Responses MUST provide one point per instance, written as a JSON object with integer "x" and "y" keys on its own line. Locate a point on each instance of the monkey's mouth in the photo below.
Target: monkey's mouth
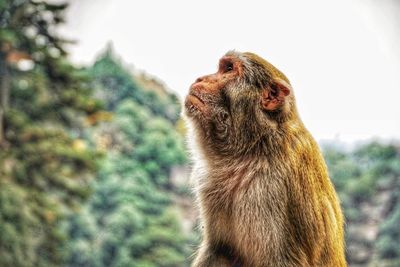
{"x": 194, "y": 98}
{"x": 194, "y": 103}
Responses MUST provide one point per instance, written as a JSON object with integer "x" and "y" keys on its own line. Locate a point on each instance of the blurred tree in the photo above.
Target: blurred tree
{"x": 388, "y": 243}
{"x": 384, "y": 162}
{"x": 110, "y": 73}
{"x": 368, "y": 182}
{"x": 44, "y": 162}
{"x": 132, "y": 219}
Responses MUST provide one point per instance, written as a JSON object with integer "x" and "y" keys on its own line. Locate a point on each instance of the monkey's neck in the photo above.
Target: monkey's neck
{"x": 267, "y": 144}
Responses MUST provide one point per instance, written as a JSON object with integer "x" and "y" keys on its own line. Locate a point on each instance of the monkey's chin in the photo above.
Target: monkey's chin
{"x": 194, "y": 106}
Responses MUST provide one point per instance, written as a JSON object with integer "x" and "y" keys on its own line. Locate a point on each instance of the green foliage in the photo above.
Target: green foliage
{"x": 363, "y": 177}
{"x": 43, "y": 173}
{"x": 115, "y": 83}
{"x": 132, "y": 221}
{"x": 388, "y": 244}
{"x": 47, "y": 154}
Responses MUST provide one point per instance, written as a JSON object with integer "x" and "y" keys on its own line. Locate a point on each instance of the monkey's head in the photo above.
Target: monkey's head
{"x": 246, "y": 102}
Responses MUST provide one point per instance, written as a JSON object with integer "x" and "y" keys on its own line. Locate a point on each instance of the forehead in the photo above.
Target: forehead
{"x": 237, "y": 58}
{"x": 229, "y": 58}
{"x": 234, "y": 55}
{"x": 251, "y": 61}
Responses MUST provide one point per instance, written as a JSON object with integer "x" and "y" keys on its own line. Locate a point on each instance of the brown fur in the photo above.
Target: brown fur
{"x": 264, "y": 193}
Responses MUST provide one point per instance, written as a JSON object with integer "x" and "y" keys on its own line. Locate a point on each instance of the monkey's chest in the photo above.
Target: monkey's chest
{"x": 245, "y": 211}
{"x": 221, "y": 197}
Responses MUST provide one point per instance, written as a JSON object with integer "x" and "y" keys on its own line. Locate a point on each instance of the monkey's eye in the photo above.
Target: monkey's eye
{"x": 228, "y": 66}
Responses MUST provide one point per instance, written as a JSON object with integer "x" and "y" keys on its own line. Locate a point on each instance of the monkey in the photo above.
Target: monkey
{"x": 262, "y": 186}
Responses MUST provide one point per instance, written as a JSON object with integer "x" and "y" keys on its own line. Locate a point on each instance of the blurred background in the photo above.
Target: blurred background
{"x": 93, "y": 165}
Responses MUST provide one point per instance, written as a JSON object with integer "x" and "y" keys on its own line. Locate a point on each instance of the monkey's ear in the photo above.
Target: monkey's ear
{"x": 273, "y": 97}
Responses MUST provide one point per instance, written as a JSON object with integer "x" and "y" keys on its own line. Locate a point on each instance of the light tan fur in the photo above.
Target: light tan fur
{"x": 263, "y": 189}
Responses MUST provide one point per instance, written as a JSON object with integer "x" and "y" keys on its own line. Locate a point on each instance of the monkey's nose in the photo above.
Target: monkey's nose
{"x": 200, "y": 79}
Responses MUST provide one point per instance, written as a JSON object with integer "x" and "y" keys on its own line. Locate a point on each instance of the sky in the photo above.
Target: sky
{"x": 342, "y": 57}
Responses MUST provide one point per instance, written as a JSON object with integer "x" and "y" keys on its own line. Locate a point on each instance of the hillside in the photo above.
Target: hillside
{"x": 130, "y": 218}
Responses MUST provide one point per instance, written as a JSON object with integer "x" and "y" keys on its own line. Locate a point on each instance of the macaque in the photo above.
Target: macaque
{"x": 263, "y": 189}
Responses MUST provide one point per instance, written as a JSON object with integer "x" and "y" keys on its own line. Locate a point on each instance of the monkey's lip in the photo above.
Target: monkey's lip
{"x": 194, "y": 99}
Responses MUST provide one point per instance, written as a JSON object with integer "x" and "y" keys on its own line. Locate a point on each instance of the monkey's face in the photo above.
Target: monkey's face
{"x": 208, "y": 102}
{"x": 207, "y": 95}
{"x": 235, "y": 104}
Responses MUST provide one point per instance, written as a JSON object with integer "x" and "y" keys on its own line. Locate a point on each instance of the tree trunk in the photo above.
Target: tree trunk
{"x": 4, "y": 93}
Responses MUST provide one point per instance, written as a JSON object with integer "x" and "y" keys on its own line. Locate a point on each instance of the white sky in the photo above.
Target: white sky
{"x": 342, "y": 57}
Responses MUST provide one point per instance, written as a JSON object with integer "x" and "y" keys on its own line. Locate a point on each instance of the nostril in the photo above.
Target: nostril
{"x": 200, "y": 79}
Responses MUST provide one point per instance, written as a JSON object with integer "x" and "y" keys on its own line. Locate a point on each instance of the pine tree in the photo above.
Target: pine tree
{"x": 44, "y": 162}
